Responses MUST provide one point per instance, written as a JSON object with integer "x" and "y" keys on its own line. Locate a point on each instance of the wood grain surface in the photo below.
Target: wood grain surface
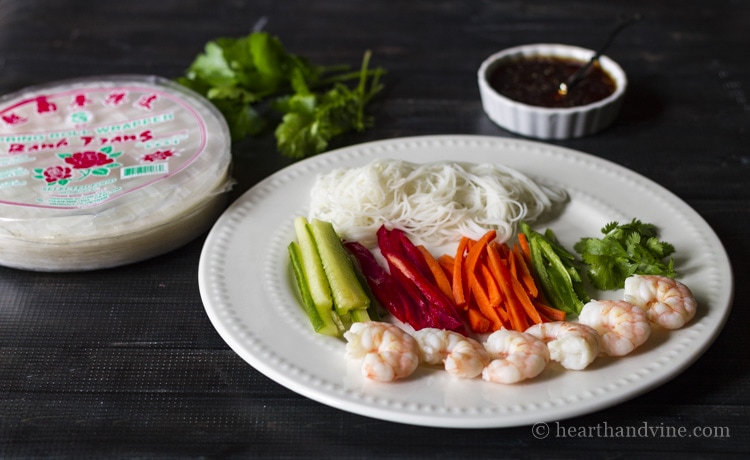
{"x": 124, "y": 363}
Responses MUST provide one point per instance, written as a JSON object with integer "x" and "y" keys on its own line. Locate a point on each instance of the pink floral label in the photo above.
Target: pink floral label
{"x": 77, "y": 148}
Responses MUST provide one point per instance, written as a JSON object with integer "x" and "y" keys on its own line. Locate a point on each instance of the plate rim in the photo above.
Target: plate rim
{"x": 320, "y": 391}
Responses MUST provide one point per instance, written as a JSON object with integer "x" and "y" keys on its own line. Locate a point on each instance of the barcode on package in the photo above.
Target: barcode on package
{"x": 144, "y": 170}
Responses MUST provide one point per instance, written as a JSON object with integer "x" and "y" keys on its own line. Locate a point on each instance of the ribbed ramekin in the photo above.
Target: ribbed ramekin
{"x": 550, "y": 123}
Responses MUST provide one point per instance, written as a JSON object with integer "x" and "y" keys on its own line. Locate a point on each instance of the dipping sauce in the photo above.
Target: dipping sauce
{"x": 536, "y": 81}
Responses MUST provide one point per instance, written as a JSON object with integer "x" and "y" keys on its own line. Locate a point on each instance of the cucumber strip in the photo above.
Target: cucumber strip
{"x": 320, "y": 289}
{"x": 359, "y": 315}
{"x": 322, "y": 321}
{"x": 343, "y": 322}
{"x": 347, "y": 291}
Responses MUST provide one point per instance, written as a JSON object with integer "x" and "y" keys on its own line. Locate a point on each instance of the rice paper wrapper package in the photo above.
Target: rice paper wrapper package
{"x": 107, "y": 171}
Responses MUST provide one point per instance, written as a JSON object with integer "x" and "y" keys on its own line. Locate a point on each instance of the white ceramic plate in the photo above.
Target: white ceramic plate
{"x": 248, "y": 292}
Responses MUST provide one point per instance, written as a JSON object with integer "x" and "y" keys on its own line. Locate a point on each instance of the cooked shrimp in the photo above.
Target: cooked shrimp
{"x": 515, "y": 355}
{"x": 462, "y": 356}
{"x": 622, "y": 326}
{"x": 667, "y": 302}
{"x": 574, "y": 345}
{"x": 387, "y": 351}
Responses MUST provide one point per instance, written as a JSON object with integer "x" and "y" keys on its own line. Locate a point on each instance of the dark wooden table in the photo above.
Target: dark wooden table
{"x": 125, "y": 363}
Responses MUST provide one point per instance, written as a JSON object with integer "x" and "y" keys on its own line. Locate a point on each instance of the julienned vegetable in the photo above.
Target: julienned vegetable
{"x": 408, "y": 266}
{"x": 498, "y": 288}
{"x": 348, "y": 294}
{"x": 485, "y": 286}
{"x": 405, "y": 288}
{"x": 245, "y": 76}
{"x": 329, "y": 287}
{"x": 625, "y": 250}
{"x": 321, "y": 316}
{"x": 558, "y": 271}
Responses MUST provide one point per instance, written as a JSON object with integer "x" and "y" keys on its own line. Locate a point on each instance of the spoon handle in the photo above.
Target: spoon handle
{"x": 564, "y": 87}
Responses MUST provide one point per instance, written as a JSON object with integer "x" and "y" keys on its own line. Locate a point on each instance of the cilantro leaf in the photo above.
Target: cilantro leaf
{"x": 310, "y": 120}
{"x": 239, "y": 74}
{"x": 625, "y": 250}
{"x": 211, "y": 67}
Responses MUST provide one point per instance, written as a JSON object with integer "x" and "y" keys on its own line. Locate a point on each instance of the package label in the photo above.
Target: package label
{"x": 80, "y": 147}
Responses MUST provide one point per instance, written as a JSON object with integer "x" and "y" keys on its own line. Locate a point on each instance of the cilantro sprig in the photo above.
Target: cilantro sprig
{"x": 244, "y": 77}
{"x": 311, "y": 120}
{"x": 625, "y": 250}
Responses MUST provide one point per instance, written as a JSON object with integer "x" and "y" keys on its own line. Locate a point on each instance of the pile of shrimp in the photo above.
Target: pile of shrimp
{"x": 605, "y": 327}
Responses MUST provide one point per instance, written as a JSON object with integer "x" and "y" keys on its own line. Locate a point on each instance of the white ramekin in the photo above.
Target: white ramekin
{"x": 550, "y": 123}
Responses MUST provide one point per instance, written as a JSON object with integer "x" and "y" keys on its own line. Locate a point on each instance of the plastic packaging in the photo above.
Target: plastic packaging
{"x": 101, "y": 172}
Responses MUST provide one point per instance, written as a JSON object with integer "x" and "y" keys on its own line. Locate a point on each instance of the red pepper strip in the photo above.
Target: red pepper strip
{"x": 442, "y": 306}
{"x": 418, "y": 312}
{"x": 413, "y": 253}
{"x": 383, "y": 286}
{"x": 382, "y": 235}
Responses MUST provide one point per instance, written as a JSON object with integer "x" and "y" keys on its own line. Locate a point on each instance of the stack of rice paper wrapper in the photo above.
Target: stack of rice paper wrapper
{"x": 102, "y": 172}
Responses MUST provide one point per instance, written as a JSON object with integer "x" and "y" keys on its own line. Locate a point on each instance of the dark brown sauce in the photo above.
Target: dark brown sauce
{"x": 536, "y": 80}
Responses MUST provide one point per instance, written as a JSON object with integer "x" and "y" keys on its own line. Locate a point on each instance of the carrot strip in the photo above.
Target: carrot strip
{"x": 493, "y": 290}
{"x": 523, "y": 242}
{"x": 478, "y": 249}
{"x": 516, "y": 311}
{"x": 495, "y": 262}
{"x": 469, "y": 272}
{"x": 504, "y": 318}
{"x": 459, "y": 280}
{"x": 516, "y": 315}
{"x": 477, "y": 289}
{"x": 437, "y": 272}
{"x": 525, "y": 301}
{"x": 483, "y": 302}
{"x": 447, "y": 262}
{"x": 518, "y": 319}
{"x": 512, "y": 265}
{"x": 477, "y": 321}
{"x": 501, "y": 248}
{"x": 552, "y": 313}
{"x": 525, "y": 273}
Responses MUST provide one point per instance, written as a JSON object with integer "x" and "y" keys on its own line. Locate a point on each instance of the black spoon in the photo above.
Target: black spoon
{"x": 566, "y": 85}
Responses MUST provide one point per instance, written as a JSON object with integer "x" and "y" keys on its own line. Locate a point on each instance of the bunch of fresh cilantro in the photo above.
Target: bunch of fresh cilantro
{"x": 248, "y": 77}
{"x": 625, "y": 250}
